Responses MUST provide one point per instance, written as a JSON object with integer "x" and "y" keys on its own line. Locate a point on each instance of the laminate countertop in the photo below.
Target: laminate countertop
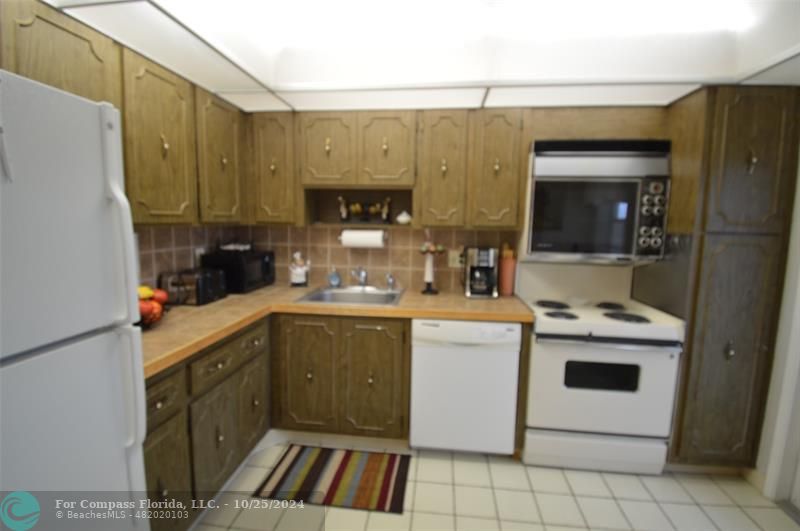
{"x": 186, "y": 330}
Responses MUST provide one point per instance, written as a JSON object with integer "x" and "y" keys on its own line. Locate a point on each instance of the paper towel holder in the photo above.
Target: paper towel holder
{"x": 385, "y": 234}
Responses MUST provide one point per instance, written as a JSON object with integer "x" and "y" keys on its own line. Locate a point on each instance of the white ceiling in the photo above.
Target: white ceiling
{"x": 355, "y": 54}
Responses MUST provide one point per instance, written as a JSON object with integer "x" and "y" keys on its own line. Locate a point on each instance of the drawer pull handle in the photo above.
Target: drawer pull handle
{"x": 729, "y": 351}
{"x": 159, "y": 404}
{"x": 218, "y": 367}
{"x": 377, "y": 328}
{"x": 220, "y": 438}
{"x": 751, "y": 166}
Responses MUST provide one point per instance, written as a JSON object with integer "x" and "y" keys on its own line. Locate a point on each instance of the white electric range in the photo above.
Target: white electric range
{"x": 602, "y": 384}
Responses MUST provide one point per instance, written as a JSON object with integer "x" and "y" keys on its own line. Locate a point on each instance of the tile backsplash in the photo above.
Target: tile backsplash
{"x": 170, "y": 248}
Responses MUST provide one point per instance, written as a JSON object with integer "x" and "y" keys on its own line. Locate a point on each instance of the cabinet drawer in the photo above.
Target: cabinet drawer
{"x": 225, "y": 359}
{"x": 164, "y": 398}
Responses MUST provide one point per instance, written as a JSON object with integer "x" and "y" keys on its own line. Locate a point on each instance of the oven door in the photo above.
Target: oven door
{"x": 591, "y": 217}
{"x": 626, "y": 389}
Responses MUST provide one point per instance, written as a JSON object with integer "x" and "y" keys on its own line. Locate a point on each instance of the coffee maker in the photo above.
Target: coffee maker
{"x": 480, "y": 272}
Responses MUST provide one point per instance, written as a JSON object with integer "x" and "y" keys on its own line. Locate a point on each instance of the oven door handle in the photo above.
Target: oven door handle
{"x": 632, "y": 347}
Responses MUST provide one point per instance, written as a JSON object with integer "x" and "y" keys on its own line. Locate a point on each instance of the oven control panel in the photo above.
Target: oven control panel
{"x": 652, "y": 226}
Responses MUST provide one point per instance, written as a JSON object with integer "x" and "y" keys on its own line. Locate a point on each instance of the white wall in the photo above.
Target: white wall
{"x": 780, "y": 438}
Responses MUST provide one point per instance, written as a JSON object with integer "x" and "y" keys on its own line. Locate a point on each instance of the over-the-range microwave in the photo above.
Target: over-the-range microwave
{"x": 602, "y": 201}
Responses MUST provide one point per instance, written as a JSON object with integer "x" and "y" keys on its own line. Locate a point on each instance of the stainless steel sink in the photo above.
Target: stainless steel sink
{"x": 354, "y": 295}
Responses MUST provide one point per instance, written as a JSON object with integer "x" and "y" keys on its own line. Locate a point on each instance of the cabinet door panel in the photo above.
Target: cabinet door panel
{"x": 42, "y": 44}
{"x": 168, "y": 470}
{"x": 160, "y": 152}
{"x": 494, "y": 177}
{"x": 386, "y": 148}
{"x": 218, "y": 138}
{"x": 214, "y": 436}
{"x": 732, "y": 344}
{"x": 371, "y": 379}
{"x": 327, "y": 148}
{"x": 752, "y": 159}
{"x": 253, "y": 403}
{"x": 274, "y": 171}
{"x": 308, "y": 353}
{"x": 443, "y": 168}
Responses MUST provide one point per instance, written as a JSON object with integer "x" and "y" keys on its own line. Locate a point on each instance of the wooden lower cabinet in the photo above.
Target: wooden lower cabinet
{"x": 372, "y": 396}
{"x": 341, "y": 375}
{"x": 215, "y": 441}
{"x": 306, "y": 357}
{"x": 737, "y": 308}
{"x": 253, "y": 403}
{"x": 168, "y": 469}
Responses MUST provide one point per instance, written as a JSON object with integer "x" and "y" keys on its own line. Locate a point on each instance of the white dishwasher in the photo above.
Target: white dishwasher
{"x": 464, "y": 385}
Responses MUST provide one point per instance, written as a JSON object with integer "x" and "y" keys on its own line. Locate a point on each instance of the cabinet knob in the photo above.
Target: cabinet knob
{"x": 328, "y": 146}
{"x": 309, "y": 376}
{"x": 159, "y": 404}
{"x": 385, "y": 145}
{"x": 220, "y": 365}
{"x": 496, "y": 166}
{"x": 220, "y": 438}
{"x": 164, "y": 146}
{"x": 224, "y": 160}
{"x": 729, "y": 351}
{"x": 164, "y": 493}
{"x": 444, "y": 166}
{"x": 273, "y": 166}
{"x": 752, "y": 163}
{"x": 370, "y": 380}
{"x": 256, "y": 403}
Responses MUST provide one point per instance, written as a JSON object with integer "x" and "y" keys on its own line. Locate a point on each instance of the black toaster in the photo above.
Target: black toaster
{"x": 194, "y": 286}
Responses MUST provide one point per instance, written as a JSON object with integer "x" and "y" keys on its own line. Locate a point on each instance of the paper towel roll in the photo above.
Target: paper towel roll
{"x": 364, "y": 239}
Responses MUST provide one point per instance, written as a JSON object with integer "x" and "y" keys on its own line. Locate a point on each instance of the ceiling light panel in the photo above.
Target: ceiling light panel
{"x": 587, "y": 95}
{"x": 255, "y": 101}
{"x": 145, "y": 29}
{"x": 385, "y": 99}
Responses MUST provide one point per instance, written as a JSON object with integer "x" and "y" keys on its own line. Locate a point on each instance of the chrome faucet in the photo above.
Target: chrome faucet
{"x": 360, "y": 274}
{"x": 390, "y": 281}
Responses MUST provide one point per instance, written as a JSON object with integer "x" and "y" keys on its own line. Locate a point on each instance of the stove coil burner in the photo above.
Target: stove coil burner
{"x": 553, "y": 305}
{"x": 562, "y": 315}
{"x": 627, "y": 317}
{"x": 615, "y": 306}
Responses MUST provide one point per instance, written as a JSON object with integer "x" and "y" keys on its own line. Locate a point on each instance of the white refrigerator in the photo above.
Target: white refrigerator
{"x": 72, "y": 405}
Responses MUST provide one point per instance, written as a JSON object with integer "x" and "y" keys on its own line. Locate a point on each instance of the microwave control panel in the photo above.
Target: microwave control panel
{"x": 651, "y": 230}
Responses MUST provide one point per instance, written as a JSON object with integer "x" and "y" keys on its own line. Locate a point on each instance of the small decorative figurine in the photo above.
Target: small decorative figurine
{"x": 298, "y": 270}
{"x": 334, "y": 279}
{"x": 344, "y": 213}
{"x": 403, "y": 218}
{"x": 356, "y": 209}
{"x": 386, "y": 211}
{"x": 429, "y": 249}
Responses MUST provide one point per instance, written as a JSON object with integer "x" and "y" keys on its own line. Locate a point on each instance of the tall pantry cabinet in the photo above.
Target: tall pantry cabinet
{"x": 735, "y": 153}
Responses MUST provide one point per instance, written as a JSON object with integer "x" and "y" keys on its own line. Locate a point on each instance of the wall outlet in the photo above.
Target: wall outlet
{"x": 455, "y": 258}
{"x": 198, "y": 252}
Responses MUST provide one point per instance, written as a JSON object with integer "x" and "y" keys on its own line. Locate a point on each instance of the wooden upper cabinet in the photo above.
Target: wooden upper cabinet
{"x": 443, "y": 168}
{"x": 733, "y": 340}
{"x": 273, "y": 172}
{"x": 307, "y": 360}
{"x": 160, "y": 154}
{"x": 371, "y": 378}
{"x": 493, "y": 182}
{"x": 42, "y": 44}
{"x": 753, "y": 157}
{"x": 386, "y": 148}
{"x": 327, "y": 144}
{"x": 218, "y": 140}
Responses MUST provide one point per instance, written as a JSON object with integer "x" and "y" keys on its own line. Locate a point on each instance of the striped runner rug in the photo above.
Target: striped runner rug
{"x": 373, "y": 481}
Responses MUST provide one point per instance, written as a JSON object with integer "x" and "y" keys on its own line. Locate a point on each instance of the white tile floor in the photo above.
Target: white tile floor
{"x": 454, "y": 491}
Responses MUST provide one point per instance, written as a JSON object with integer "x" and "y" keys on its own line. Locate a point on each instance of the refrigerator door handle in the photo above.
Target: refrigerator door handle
{"x": 133, "y": 380}
{"x": 112, "y": 162}
{"x": 5, "y": 165}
